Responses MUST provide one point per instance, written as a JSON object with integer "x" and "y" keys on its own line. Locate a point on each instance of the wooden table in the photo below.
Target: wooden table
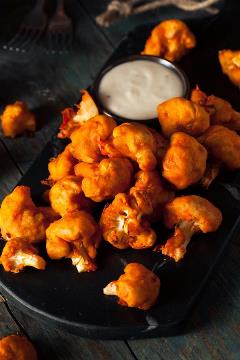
{"x": 48, "y": 84}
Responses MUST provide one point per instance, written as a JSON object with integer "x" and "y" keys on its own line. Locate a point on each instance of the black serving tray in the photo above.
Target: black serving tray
{"x": 75, "y": 301}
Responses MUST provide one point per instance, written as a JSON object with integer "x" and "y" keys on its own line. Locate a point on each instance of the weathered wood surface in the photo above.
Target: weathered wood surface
{"x": 49, "y": 84}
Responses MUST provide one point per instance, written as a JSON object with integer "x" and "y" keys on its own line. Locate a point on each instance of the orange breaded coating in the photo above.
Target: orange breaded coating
{"x": 134, "y": 141}
{"x": 17, "y": 119}
{"x": 223, "y": 146}
{"x": 19, "y": 253}
{"x": 162, "y": 145}
{"x": 149, "y": 194}
{"x": 16, "y": 347}
{"x": 86, "y": 139}
{"x": 220, "y": 110}
{"x": 67, "y": 195}
{"x": 105, "y": 180}
{"x": 189, "y": 215}
{"x": 122, "y": 225}
{"x": 185, "y": 161}
{"x": 61, "y": 166}
{"x": 76, "y": 236}
{"x": 137, "y": 287}
{"x": 19, "y": 217}
{"x": 230, "y": 63}
{"x": 171, "y": 39}
{"x": 87, "y": 109}
{"x": 179, "y": 114}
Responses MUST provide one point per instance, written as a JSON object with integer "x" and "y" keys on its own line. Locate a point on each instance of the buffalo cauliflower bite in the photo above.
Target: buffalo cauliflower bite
{"x": 16, "y": 347}
{"x": 75, "y": 236}
{"x": 230, "y": 63}
{"x": 17, "y": 119}
{"x": 61, "y": 166}
{"x": 185, "y": 161}
{"x": 134, "y": 141}
{"x": 19, "y": 217}
{"x": 220, "y": 110}
{"x": 137, "y": 287}
{"x": 87, "y": 109}
{"x": 86, "y": 139}
{"x": 67, "y": 195}
{"x": 19, "y": 253}
{"x": 105, "y": 180}
{"x": 149, "y": 194}
{"x": 122, "y": 225}
{"x": 189, "y": 215}
{"x": 171, "y": 39}
{"x": 223, "y": 146}
{"x": 179, "y": 114}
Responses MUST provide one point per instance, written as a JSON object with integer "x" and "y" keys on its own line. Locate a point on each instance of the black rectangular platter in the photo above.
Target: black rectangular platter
{"x": 75, "y": 301}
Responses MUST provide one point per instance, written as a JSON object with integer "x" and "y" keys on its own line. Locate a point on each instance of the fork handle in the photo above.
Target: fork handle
{"x": 60, "y": 8}
{"x": 39, "y": 4}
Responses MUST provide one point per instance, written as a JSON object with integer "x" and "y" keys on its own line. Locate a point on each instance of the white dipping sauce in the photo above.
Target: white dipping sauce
{"x": 133, "y": 89}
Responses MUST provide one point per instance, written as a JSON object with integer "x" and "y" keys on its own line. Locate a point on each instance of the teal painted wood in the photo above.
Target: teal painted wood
{"x": 54, "y": 344}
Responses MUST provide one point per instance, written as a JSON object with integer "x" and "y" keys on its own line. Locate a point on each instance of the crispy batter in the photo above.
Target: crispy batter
{"x": 61, "y": 166}
{"x": 87, "y": 109}
{"x": 171, "y": 39}
{"x": 19, "y": 253}
{"x": 123, "y": 226}
{"x": 17, "y": 119}
{"x": 185, "y": 161}
{"x": 223, "y": 146}
{"x": 230, "y": 63}
{"x": 105, "y": 180}
{"x": 16, "y": 347}
{"x": 137, "y": 287}
{"x": 134, "y": 141}
{"x": 220, "y": 110}
{"x": 75, "y": 236}
{"x": 190, "y": 214}
{"x": 86, "y": 139}
{"x": 66, "y": 195}
{"x": 19, "y": 217}
{"x": 179, "y": 114}
{"x": 149, "y": 194}
{"x": 162, "y": 145}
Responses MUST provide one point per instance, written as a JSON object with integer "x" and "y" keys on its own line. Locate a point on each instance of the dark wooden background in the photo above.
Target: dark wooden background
{"x": 50, "y": 83}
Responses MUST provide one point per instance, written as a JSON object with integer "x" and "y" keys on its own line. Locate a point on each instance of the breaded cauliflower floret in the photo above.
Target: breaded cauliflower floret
{"x": 137, "y": 287}
{"x": 189, "y": 215}
{"x": 221, "y": 111}
{"x": 230, "y": 63}
{"x": 19, "y": 253}
{"x": 149, "y": 194}
{"x": 185, "y": 161}
{"x": 87, "y": 109}
{"x": 179, "y": 114}
{"x": 135, "y": 141}
{"x": 61, "y": 166}
{"x": 223, "y": 146}
{"x": 19, "y": 217}
{"x": 122, "y": 225}
{"x": 171, "y": 39}
{"x": 105, "y": 180}
{"x": 16, "y": 347}
{"x": 76, "y": 236}
{"x": 17, "y": 119}
{"x": 86, "y": 139}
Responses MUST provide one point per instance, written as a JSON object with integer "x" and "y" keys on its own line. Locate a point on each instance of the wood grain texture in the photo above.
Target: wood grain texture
{"x": 55, "y": 344}
{"x": 212, "y": 330}
{"x": 8, "y": 325}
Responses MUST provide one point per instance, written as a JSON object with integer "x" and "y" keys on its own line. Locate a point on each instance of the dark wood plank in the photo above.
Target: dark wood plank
{"x": 212, "y": 330}
{"x": 55, "y": 344}
{"x": 49, "y": 83}
{"x": 8, "y": 325}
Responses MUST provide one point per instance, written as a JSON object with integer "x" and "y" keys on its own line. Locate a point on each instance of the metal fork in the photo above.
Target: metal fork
{"x": 59, "y": 31}
{"x": 30, "y": 30}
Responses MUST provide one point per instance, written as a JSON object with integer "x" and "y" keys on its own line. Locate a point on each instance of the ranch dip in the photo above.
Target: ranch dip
{"x": 133, "y": 89}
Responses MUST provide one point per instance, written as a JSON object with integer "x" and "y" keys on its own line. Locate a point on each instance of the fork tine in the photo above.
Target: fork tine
{"x": 68, "y": 41}
{"x": 30, "y": 40}
{"x": 17, "y": 37}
